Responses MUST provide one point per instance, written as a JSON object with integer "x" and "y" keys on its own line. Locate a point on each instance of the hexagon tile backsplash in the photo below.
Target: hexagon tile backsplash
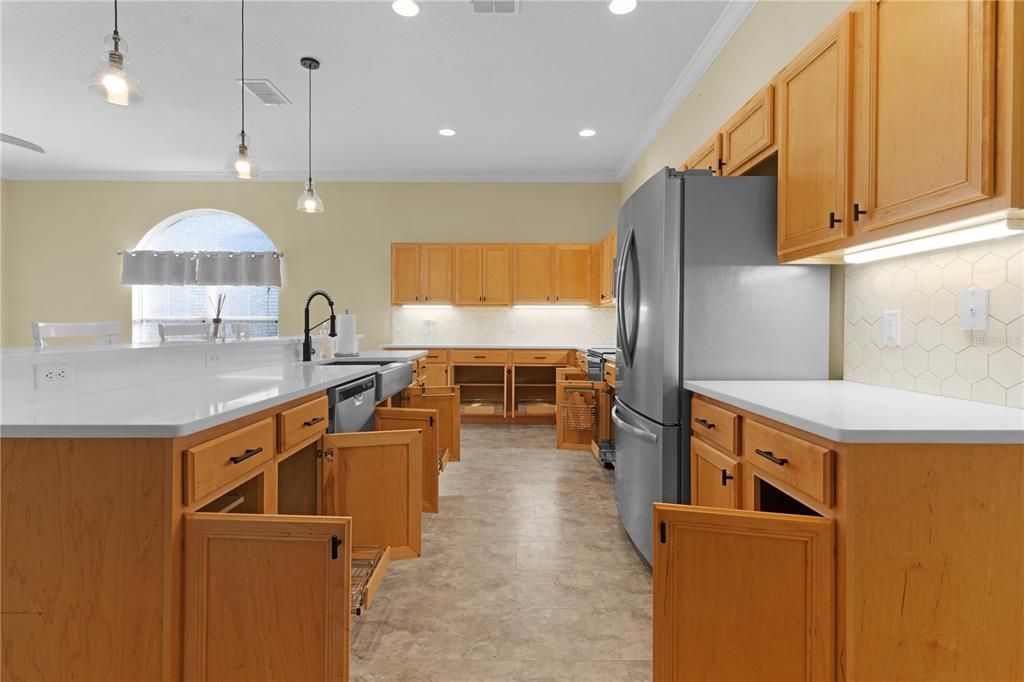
{"x": 935, "y": 355}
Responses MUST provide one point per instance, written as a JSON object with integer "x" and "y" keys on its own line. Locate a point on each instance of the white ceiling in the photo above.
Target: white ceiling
{"x": 517, "y": 89}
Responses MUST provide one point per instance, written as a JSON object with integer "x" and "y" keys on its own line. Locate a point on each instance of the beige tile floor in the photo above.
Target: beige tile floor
{"x": 526, "y": 574}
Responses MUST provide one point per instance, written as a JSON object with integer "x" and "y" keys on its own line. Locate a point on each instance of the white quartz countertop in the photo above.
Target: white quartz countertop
{"x": 381, "y": 355}
{"x": 849, "y": 412}
{"x": 497, "y": 346}
{"x": 173, "y": 408}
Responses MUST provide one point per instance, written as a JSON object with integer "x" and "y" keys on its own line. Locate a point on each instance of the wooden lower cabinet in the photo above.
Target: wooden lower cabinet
{"x": 376, "y": 478}
{"x": 741, "y": 595}
{"x": 266, "y": 597}
{"x": 436, "y": 374}
{"x": 714, "y": 477}
{"x": 426, "y": 421}
{"x": 445, "y": 401}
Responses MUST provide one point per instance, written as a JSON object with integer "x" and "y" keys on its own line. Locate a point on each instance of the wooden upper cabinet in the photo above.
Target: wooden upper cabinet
{"x": 742, "y": 595}
{"x": 405, "y": 273}
{"x": 749, "y": 133}
{"x": 469, "y": 274}
{"x": 925, "y": 113}
{"x": 497, "y": 277}
{"x": 438, "y": 273}
{"x": 573, "y": 269}
{"x": 375, "y": 477}
{"x": 714, "y": 477}
{"x": 708, "y": 155}
{"x": 606, "y": 276}
{"x": 532, "y": 273}
{"x": 266, "y": 597}
{"x": 814, "y": 139}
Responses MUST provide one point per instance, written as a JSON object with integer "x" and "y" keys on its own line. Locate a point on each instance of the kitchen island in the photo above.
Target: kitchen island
{"x": 199, "y": 528}
{"x": 843, "y": 531}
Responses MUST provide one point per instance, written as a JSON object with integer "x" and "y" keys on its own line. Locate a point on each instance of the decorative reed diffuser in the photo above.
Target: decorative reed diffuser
{"x": 218, "y": 308}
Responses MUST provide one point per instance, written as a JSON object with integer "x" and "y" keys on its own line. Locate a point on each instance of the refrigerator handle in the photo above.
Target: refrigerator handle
{"x": 642, "y": 434}
{"x": 627, "y": 342}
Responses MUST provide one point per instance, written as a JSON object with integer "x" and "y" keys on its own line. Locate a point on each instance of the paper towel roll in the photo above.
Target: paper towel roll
{"x": 348, "y": 340}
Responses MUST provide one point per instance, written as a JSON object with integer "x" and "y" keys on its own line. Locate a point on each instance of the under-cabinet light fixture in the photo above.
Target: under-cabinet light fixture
{"x": 427, "y": 306}
{"x": 1006, "y": 227}
{"x": 526, "y": 306}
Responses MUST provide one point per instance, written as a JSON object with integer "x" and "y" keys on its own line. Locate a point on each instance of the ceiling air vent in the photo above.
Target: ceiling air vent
{"x": 265, "y": 91}
{"x": 495, "y": 6}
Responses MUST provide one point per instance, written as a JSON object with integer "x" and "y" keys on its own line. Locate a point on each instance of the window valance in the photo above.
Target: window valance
{"x": 238, "y": 268}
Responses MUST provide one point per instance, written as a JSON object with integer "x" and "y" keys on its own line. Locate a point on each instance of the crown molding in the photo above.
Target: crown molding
{"x": 731, "y": 18}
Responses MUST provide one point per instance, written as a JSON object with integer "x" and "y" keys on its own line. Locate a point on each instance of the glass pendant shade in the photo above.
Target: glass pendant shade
{"x": 310, "y": 201}
{"x": 111, "y": 80}
{"x": 241, "y": 163}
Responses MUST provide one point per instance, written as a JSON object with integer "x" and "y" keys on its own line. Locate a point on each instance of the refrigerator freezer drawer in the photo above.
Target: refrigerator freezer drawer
{"x": 647, "y": 470}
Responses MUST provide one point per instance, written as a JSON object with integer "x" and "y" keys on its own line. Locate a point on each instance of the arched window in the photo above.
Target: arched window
{"x": 203, "y": 230}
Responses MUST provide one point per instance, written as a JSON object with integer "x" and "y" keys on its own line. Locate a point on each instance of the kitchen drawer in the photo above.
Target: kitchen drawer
{"x": 369, "y": 564}
{"x": 540, "y": 357}
{"x": 479, "y": 357}
{"x": 802, "y": 464}
{"x": 218, "y": 462}
{"x": 437, "y": 357}
{"x": 301, "y": 423}
{"x": 715, "y": 425}
{"x": 609, "y": 374}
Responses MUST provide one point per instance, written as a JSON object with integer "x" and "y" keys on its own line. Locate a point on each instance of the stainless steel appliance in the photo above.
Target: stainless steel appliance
{"x": 351, "y": 406}
{"x": 392, "y": 376}
{"x": 700, "y": 296}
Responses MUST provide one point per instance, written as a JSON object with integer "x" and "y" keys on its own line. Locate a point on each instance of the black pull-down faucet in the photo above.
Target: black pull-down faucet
{"x": 307, "y": 342}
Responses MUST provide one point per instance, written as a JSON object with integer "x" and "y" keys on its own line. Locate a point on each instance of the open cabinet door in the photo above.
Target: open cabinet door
{"x": 266, "y": 597}
{"x": 444, "y": 399}
{"x": 404, "y": 418}
{"x": 376, "y": 478}
{"x": 742, "y": 595}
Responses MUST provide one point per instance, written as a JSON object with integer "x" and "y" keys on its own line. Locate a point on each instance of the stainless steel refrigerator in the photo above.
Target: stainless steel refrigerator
{"x": 700, "y": 295}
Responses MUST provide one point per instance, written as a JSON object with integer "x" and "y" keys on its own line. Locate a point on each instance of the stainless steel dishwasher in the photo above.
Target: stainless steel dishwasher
{"x": 352, "y": 406}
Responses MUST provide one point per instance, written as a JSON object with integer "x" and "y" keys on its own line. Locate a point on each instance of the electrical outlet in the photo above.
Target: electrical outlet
{"x": 54, "y": 376}
{"x": 891, "y": 327}
{"x": 589, "y": 327}
{"x": 214, "y": 358}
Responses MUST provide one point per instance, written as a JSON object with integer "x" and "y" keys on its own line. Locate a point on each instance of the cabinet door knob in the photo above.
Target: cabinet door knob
{"x": 726, "y": 477}
{"x": 858, "y": 212}
{"x": 833, "y": 220}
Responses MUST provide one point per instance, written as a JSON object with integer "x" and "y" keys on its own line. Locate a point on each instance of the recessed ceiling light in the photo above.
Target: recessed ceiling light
{"x": 588, "y": 132}
{"x": 621, "y": 6}
{"x": 446, "y": 132}
{"x": 408, "y": 8}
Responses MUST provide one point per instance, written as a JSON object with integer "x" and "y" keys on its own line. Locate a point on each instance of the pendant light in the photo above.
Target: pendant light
{"x": 111, "y": 80}
{"x": 310, "y": 201}
{"x": 241, "y": 164}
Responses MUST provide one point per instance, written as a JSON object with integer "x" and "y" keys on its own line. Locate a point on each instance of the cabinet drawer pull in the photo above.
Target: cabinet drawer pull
{"x": 314, "y": 420}
{"x": 479, "y": 357}
{"x": 726, "y": 476}
{"x": 251, "y": 452}
{"x": 770, "y": 456}
{"x": 540, "y": 357}
{"x": 705, "y": 423}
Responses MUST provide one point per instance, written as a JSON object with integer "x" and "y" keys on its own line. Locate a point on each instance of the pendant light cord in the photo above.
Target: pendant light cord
{"x": 117, "y": 36}
{"x": 242, "y": 88}
{"x": 310, "y": 126}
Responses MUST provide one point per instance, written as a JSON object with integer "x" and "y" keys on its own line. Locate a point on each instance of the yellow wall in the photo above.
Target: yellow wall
{"x": 771, "y": 35}
{"x": 59, "y": 239}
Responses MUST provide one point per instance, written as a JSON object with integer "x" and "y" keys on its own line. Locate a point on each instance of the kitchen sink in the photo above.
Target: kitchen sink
{"x": 392, "y": 375}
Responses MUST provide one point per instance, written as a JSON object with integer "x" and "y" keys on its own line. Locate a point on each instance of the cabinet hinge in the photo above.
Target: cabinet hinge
{"x": 326, "y": 453}
{"x": 335, "y": 544}
{"x": 661, "y": 532}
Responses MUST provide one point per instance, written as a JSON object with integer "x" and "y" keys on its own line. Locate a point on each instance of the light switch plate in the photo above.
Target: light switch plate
{"x": 890, "y": 328}
{"x": 974, "y": 309}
